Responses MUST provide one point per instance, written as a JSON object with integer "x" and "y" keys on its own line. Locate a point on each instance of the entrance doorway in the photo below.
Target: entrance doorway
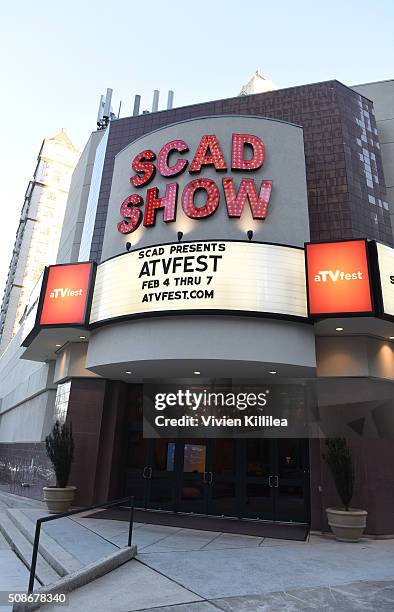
{"x": 256, "y": 478}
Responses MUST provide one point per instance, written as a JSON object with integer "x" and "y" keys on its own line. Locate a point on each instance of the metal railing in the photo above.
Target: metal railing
{"x": 46, "y": 519}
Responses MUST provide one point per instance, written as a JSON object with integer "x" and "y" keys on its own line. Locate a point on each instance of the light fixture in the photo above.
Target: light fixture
{"x": 128, "y": 372}
{"x": 339, "y": 329}
{"x": 180, "y": 236}
{"x": 196, "y": 372}
{"x": 128, "y": 246}
{"x": 272, "y": 372}
{"x": 58, "y": 345}
{"x": 391, "y": 337}
{"x": 82, "y": 337}
{"x": 249, "y": 234}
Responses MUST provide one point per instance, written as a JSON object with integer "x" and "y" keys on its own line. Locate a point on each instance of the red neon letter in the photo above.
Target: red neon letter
{"x": 167, "y": 202}
{"x": 238, "y": 150}
{"x": 208, "y": 153}
{"x": 128, "y": 210}
{"x": 162, "y": 159}
{"x": 247, "y": 190}
{"x": 142, "y": 165}
{"x": 212, "y": 198}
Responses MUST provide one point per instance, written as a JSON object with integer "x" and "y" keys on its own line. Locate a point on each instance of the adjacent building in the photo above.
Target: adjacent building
{"x": 38, "y": 233}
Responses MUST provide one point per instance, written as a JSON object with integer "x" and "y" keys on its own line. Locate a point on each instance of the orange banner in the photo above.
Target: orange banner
{"x": 338, "y": 278}
{"x": 66, "y": 294}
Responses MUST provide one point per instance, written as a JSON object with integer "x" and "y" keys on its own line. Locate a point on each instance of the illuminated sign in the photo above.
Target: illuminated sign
{"x": 247, "y": 154}
{"x": 386, "y": 269}
{"x": 338, "y": 278}
{"x": 202, "y": 276}
{"x": 66, "y": 294}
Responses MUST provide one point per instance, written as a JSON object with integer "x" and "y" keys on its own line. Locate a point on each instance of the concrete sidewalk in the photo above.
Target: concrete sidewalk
{"x": 184, "y": 569}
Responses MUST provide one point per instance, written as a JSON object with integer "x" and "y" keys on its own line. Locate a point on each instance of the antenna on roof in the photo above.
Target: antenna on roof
{"x": 105, "y": 113}
{"x": 170, "y": 100}
{"x": 137, "y": 102}
{"x": 155, "y": 103}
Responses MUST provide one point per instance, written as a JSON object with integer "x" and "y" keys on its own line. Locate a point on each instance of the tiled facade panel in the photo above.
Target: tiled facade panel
{"x": 346, "y": 190}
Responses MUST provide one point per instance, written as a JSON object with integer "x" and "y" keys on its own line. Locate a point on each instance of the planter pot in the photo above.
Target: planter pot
{"x": 347, "y": 526}
{"x": 59, "y": 499}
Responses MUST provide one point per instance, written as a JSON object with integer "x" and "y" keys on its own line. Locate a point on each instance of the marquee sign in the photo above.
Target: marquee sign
{"x": 338, "y": 278}
{"x": 203, "y": 276}
{"x": 247, "y": 155}
{"x": 217, "y": 276}
{"x": 386, "y": 270}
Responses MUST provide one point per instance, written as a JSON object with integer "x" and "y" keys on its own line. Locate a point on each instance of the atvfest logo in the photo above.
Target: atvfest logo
{"x": 247, "y": 154}
{"x": 338, "y": 278}
{"x": 65, "y": 294}
{"x": 339, "y": 275}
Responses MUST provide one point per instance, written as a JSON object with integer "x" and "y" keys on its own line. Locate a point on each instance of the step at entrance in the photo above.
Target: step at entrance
{"x": 58, "y": 558}
{"x": 18, "y": 542}
{"x": 280, "y": 531}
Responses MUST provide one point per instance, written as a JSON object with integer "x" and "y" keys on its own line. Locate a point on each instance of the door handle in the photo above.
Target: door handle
{"x": 210, "y": 476}
{"x": 150, "y": 470}
{"x": 144, "y": 471}
{"x": 269, "y": 482}
{"x": 276, "y": 484}
{"x": 204, "y": 477}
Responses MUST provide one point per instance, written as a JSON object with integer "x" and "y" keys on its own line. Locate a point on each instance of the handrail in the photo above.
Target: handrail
{"x": 45, "y": 519}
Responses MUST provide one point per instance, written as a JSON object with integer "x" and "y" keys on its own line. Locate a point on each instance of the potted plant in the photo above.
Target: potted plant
{"x": 346, "y": 523}
{"x": 60, "y": 450}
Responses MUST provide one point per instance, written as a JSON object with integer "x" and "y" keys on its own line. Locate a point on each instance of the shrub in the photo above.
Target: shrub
{"x": 339, "y": 460}
{"x": 60, "y": 450}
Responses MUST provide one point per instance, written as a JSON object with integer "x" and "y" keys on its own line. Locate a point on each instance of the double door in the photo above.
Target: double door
{"x": 276, "y": 480}
{"x": 256, "y": 478}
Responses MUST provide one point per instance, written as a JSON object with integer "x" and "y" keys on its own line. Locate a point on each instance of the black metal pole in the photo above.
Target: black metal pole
{"x": 34, "y": 557}
{"x": 131, "y": 521}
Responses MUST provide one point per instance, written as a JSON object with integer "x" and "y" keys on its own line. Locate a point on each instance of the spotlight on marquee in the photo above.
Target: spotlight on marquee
{"x": 128, "y": 246}
{"x": 249, "y": 234}
{"x": 180, "y": 236}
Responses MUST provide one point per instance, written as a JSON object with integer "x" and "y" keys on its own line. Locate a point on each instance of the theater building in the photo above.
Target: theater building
{"x": 236, "y": 244}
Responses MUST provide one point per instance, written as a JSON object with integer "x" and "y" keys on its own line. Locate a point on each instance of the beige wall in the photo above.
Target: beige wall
{"x": 355, "y": 356}
{"x": 71, "y": 363}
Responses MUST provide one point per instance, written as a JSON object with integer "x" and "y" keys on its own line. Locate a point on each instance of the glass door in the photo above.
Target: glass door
{"x": 160, "y": 474}
{"x": 257, "y": 492}
{"x": 221, "y": 478}
{"x": 194, "y": 477}
{"x": 136, "y": 471}
{"x": 291, "y": 480}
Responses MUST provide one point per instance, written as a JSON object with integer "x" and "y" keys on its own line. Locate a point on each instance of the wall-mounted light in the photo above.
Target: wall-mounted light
{"x": 249, "y": 234}
{"x": 128, "y": 246}
{"x": 339, "y": 329}
{"x": 82, "y": 337}
{"x": 128, "y": 372}
{"x": 196, "y": 372}
{"x": 180, "y": 236}
{"x": 273, "y": 372}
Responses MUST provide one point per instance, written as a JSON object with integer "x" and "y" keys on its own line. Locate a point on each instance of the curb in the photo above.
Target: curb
{"x": 81, "y": 577}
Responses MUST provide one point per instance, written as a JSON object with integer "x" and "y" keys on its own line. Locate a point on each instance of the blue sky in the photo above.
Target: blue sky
{"x": 58, "y": 57}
